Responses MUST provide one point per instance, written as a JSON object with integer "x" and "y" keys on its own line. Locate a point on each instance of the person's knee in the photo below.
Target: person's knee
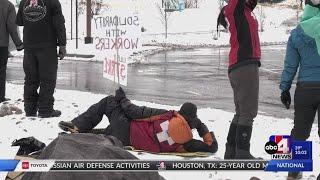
{"x": 31, "y": 81}
{"x": 245, "y": 122}
{"x": 107, "y": 105}
{"x": 246, "y": 119}
{"x": 48, "y": 79}
{"x": 108, "y": 100}
{"x": 248, "y": 109}
{"x": 47, "y": 83}
{"x": 252, "y": 112}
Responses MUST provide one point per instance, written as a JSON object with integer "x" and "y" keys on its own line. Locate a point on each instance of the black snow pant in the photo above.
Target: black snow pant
{"x": 244, "y": 81}
{"x": 119, "y": 126}
{"x": 3, "y": 68}
{"x": 40, "y": 66}
{"x": 306, "y": 104}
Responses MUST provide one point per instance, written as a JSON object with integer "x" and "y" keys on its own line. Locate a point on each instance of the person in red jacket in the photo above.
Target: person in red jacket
{"x": 145, "y": 128}
{"x": 243, "y": 72}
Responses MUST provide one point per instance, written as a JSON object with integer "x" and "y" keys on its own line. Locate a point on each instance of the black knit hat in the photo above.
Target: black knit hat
{"x": 189, "y": 112}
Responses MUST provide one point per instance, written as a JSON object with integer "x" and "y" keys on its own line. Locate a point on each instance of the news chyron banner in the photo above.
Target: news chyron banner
{"x": 289, "y": 155}
{"x": 116, "y": 36}
{"x": 126, "y": 165}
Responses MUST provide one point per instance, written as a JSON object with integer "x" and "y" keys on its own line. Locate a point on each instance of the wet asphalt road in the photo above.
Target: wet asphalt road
{"x": 199, "y": 76}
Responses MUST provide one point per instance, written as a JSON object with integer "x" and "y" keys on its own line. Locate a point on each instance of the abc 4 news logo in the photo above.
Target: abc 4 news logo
{"x": 279, "y": 147}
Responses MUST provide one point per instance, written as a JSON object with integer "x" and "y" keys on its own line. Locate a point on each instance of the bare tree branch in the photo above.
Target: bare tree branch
{"x": 162, "y": 17}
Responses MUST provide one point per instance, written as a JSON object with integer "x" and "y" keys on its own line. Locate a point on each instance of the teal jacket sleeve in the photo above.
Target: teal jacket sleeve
{"x": 291, "y": 64}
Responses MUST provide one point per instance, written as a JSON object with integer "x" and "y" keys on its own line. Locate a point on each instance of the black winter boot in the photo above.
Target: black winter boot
{"x": 31, "y": 109}
{"x": 231, "y": 142}
{"x": 68, "y": 126}
{"x": 243, "y": 136}
{"x": 53, "y": 113}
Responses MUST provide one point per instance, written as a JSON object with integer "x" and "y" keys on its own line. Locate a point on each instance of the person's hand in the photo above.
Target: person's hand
{"x": 314, "y": 3}
{"x": 286, "y": 98}
{"x": 120, "y": 94}
{"x": 214, "y": 143}
{"x": 20, "y": 47}
{"x": 195, "y": 145}
{"x": 62, "y": 52}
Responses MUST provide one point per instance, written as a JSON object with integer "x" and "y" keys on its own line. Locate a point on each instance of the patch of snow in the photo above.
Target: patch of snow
{"x": 72, "y": 103}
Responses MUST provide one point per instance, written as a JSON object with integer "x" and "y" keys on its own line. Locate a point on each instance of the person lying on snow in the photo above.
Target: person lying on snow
{"x": 145, "y": 128}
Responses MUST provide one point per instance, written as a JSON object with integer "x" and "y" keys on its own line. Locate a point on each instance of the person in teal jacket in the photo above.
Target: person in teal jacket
{"x": 303, "y": 53}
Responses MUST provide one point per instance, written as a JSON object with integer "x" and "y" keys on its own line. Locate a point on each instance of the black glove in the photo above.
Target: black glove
{"x": 313, "y": 3}
{"x": 214, "y": 146}
{"x": 198, "y": 146}
{"x": 120, "y": 94}
{"x": 286, "y": 98}
{"x": 68, "y": 126}
{"x": 20, "y": 47}
{"x": 62, "y": 52}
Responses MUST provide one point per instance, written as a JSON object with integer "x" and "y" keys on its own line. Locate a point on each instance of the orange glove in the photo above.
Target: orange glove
{"x": 208, "y": 138}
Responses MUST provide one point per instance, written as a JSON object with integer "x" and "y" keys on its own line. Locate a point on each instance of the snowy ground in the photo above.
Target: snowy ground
{"x": 73, "y": 102}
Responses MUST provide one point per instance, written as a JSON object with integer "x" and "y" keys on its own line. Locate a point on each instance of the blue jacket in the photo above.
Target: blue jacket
{"x": 301, "y": 52}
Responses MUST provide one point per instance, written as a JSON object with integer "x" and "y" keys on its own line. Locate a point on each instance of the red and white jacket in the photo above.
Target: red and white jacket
{"x": 244, "y": 37}
{"x": 158, "y": 130}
